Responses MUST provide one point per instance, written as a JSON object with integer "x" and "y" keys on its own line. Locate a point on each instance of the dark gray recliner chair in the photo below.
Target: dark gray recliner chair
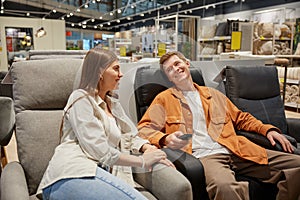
{"x": 149, "y": 81}
{"x": 255, "y": 89}
{"x": 41, "y": 89}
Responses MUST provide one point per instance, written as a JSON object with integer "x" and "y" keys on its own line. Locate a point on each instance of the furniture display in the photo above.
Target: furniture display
{"x": 262, "y": 99}
{"x": 41, "y": 89}
{"x": 56, "y": 54}
{"x": 7, "y": 121}
{"x": 149, "y": 81}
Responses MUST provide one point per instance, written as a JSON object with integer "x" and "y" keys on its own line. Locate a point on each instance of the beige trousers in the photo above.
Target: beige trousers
{"x": 220, "y": 169}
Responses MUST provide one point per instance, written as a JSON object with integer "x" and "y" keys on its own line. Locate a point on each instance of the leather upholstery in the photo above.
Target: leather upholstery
{"x": 255, "y": 89}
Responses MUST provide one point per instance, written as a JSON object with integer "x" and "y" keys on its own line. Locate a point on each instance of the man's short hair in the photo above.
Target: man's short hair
{"x": 165, "y": 57}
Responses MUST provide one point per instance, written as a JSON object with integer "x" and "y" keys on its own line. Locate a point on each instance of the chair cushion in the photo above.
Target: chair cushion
{"x": 255, "y": 89}
{"x": 52, "y": 85}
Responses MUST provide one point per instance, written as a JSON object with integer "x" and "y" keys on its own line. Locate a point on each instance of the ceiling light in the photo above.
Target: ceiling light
{"x": 108, "y": 23}
{"x": 118, "y": 21}
{"x": 98, "y": 0}
{"x": 132, "y": 6}
{"x": 111, "y": 13}
{"x": 68, "y": 15}
{"x": 40, "y": 32}
{"x": 62, "y": 18}
{"x": 142, "y": 15}
{"x": 119, "y": 10}
{"x": 93, "y": 1}
{"x": 128, "y": 18}
{"x": 54, "y": 11}
{"x": 72, "y": 24}
{"x": 101, "y": 25}
{"x": 83, "y": 26}
{"x": 95, "y": 27}
{"x": 100, "y": 17}
{"x": 78, "y": 10}
{"x": 28, "y": 14}
{"x": 86, "y": 5}
{"x": 71, "y": 14}
{"x": 92, "y": 20}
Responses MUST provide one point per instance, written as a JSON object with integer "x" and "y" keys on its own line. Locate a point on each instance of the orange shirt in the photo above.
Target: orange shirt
{"x": 169, "y": 112}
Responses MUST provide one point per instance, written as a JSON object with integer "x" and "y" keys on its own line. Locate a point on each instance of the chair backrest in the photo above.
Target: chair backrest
{"x": 40, "y": 90}
{"x": 255, "y": 89}
{"x": 149, "y": 81}
{"x": 56, "y": 54}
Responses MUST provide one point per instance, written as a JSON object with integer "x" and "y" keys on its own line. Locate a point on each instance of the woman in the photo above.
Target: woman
{"x": 97, "y": 139}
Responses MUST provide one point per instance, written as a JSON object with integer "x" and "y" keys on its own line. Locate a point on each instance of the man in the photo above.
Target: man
{"x": 212, "y": 118}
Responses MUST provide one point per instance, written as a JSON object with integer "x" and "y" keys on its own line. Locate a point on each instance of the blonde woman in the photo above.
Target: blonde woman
{"x": 97, "y": 140}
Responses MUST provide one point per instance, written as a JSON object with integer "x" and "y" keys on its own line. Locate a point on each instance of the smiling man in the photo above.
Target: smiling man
{"x": 212, "y": 118}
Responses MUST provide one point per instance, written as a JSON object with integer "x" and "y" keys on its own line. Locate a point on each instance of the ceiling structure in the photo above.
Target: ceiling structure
{"x": 116, "y": 15}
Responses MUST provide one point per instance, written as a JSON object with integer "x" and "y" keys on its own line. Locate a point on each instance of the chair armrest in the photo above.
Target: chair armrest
{"x": 264, "y": 141}
{"x": 192, "y": 169}
{"x": 7, "y": 120}
{"x": 165, "y": 183}
{"x": 294, "y": 128}
{"x": 13, "y": 182}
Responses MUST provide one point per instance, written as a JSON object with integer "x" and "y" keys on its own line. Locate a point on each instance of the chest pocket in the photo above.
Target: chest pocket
{"x": 174, "y": 123}
{"x": 217, "y": 125}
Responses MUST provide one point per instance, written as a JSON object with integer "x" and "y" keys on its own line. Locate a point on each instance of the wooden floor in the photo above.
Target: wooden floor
{"x": 11, "y": 149}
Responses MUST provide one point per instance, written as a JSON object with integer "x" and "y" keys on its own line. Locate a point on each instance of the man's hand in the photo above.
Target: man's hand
{"x": 286, "y": 145}
{"x": 173, "y": 142}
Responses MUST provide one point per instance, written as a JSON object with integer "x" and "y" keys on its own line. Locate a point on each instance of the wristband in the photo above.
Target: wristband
{"x": 143, "y": 162}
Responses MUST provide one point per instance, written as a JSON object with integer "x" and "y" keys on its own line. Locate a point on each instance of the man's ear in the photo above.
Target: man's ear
{"x": 188, "y": 63}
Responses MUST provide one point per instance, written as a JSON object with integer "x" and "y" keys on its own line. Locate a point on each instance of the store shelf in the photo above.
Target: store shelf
{"x": 216, "y": 38}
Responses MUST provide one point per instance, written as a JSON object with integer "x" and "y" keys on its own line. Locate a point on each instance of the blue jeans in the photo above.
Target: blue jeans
{"x": 103, "y": 186}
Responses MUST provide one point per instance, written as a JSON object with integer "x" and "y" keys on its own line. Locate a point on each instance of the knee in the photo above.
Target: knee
{"x": 223, "y": 187}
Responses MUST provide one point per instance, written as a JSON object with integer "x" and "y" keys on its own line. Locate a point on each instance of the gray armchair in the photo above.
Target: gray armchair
{"x": 41, "y": 89}
{"x": 7, "y": 122}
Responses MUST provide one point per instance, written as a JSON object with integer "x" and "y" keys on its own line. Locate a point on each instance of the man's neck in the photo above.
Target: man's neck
{"x": 186, "y": 85}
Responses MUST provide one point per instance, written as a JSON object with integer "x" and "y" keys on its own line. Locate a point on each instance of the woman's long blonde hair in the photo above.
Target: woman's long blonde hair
{"x": 95, "y": 63}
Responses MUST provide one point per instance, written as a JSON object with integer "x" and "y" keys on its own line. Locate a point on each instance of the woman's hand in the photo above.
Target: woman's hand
{"x": 152, "y": 156}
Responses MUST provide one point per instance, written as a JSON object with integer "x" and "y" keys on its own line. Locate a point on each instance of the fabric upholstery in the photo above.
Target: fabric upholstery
{"x": 7, "y": 120}
{"x": 56, "y": 54}
{"x": 58, "y": 82}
